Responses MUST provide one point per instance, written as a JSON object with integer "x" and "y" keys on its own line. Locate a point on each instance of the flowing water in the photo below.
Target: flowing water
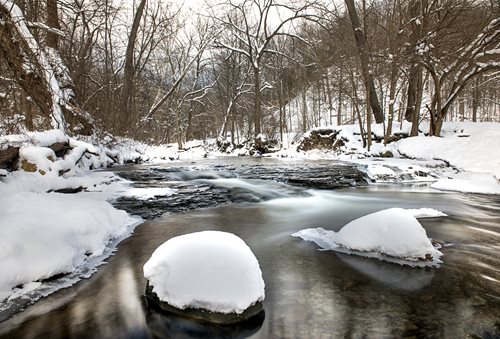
{"x": 309, "y": 293}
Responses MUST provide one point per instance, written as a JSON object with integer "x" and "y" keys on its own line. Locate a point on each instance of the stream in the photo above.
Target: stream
{"x": 309, "y": 293}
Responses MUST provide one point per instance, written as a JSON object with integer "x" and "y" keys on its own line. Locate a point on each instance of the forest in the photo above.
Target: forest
{"x": 164, "y": 72}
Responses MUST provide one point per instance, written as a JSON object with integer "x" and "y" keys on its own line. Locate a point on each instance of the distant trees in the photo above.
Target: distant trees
{"x": 253, "y": 24}
{"x": 156, "y": 72}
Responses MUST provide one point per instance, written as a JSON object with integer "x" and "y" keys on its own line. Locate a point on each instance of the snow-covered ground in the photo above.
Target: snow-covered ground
{"x": 211, "y": 270}
{"x": 44, "y": 233}
{"x": 393, "y": 234}
{"x": 466, "y": 158}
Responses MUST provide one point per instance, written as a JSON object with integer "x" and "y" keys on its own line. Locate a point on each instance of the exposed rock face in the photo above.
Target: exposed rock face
{"x": 202, "y": 314}
{"x": 9, "y": 158}
{"x": 261, "y": 144}
{"x": 322, "y": 139}
{"x": 28, "y": 166}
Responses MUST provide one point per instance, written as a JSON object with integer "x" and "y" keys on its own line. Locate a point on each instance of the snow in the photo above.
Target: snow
{"x": 44, "y": 234}
{"x": 392, "y": 233}
{"x": 42, "y": 139}
{"x": 465, "y": 158}
{"x": 469, "y": 146}
{"x": 425, "y": 213}
{"x": 479, "y": 183}
{"x": 211, "y": 270}
{"x": 148, "y": 192}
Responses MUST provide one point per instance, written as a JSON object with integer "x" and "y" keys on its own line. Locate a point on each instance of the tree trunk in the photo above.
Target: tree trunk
{"x": 415, "y": 117}
{"x": 53, "y": 22}
{"x": 364, "y": 57}
{"x": 475, "y": 100}
{"x": 412, "y": 113}
{"x": 339, "y": 107}
{"x": 29, "y": 63}
{"x": 128, "y": 70}
{"x": 304, "y": 110}
{"x": 282, "y": 111}
{"x": 355, "y": 103}
{"x": 257, "y": 102}
{"x": 392, "y": 98}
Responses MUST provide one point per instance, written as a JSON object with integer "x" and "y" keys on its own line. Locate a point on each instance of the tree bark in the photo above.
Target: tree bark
{"x": 475, "y": 99}
{"x": 412, "y": 113}
{"x": 304, "y": 110}
{"x": 392, "y": 98}
{"x": 21, "y": 54}
{"x": 365, "y": 62}
{"x": 128, "y": 70}
{"x": 52, "y": 22}
{"x": 257, "y": 102}
{"x": 339, "y": 107}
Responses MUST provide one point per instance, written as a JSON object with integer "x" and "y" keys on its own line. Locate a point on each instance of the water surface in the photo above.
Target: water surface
{"x": 309, "y": 293}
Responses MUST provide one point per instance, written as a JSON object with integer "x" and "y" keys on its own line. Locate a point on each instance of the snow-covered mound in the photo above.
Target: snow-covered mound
{"x": 211, "y": 270}
{"x": 45, "y": 234}
{"x": 469, "y": 146}
{"x": 393, "y": 232}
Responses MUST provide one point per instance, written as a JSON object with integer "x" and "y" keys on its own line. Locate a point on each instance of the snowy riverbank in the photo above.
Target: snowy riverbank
{"x": 464, "y": 159}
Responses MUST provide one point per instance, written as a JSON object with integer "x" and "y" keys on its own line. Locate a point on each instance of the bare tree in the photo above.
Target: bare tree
{"x": 250, "y": 22}
{"x": 472, "y": 59}
{"x": 361, "y": 43}
{"x": 128, "y": 70}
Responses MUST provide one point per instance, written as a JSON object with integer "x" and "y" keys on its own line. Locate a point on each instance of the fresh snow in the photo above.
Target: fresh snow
{"x": 471, "y": 147}
{"x": 390, "y": 233}
{"x": 469, "y": 182}
{"x": 45, "y": 234}
{"x": 211, "y": 270}
{"x": 464, "y": 159}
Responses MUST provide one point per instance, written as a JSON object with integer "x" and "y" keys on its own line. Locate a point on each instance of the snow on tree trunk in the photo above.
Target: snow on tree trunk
{"x": 39, "y": 71}
{"x": 29, "y": 62}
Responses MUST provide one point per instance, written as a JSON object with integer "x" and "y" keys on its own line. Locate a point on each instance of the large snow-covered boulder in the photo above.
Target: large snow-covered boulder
{"x": 392, "y": 233}
{"x": 211, "y": 271}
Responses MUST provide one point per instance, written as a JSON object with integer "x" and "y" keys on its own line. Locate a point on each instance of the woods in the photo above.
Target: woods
{"x": 161, "y": 72}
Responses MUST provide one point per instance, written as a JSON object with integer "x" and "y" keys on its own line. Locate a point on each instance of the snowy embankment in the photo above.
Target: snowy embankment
{"x": 44, "y": 233}
{"x": 465, "y": 158}
{"x": 393, "y": 235}
{"x": 472, "y": 148}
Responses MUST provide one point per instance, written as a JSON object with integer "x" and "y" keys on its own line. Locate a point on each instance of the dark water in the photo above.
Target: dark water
{"x": 309, "y": 293}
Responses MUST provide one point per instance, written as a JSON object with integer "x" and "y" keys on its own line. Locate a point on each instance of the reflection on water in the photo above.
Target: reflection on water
{"x": 309, "y": 293}
{"x": 401, "y": 277}
{"x": 169, "y": 325}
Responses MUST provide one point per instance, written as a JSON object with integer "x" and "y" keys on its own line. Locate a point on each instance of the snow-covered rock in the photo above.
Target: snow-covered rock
{"x": 210, "y": 270}
{"x": 392, "y": 233}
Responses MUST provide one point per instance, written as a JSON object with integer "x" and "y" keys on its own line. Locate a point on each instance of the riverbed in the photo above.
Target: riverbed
{"x": 309, "y": 293}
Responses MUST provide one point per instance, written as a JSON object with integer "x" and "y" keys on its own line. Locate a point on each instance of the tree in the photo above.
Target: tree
{"x": 361, "y": 43}
{"x": 39, "y": 70}
{"x": 128, "y": 70}
{"x": 250, "y": 22}
{"x": 470, "y": 60}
